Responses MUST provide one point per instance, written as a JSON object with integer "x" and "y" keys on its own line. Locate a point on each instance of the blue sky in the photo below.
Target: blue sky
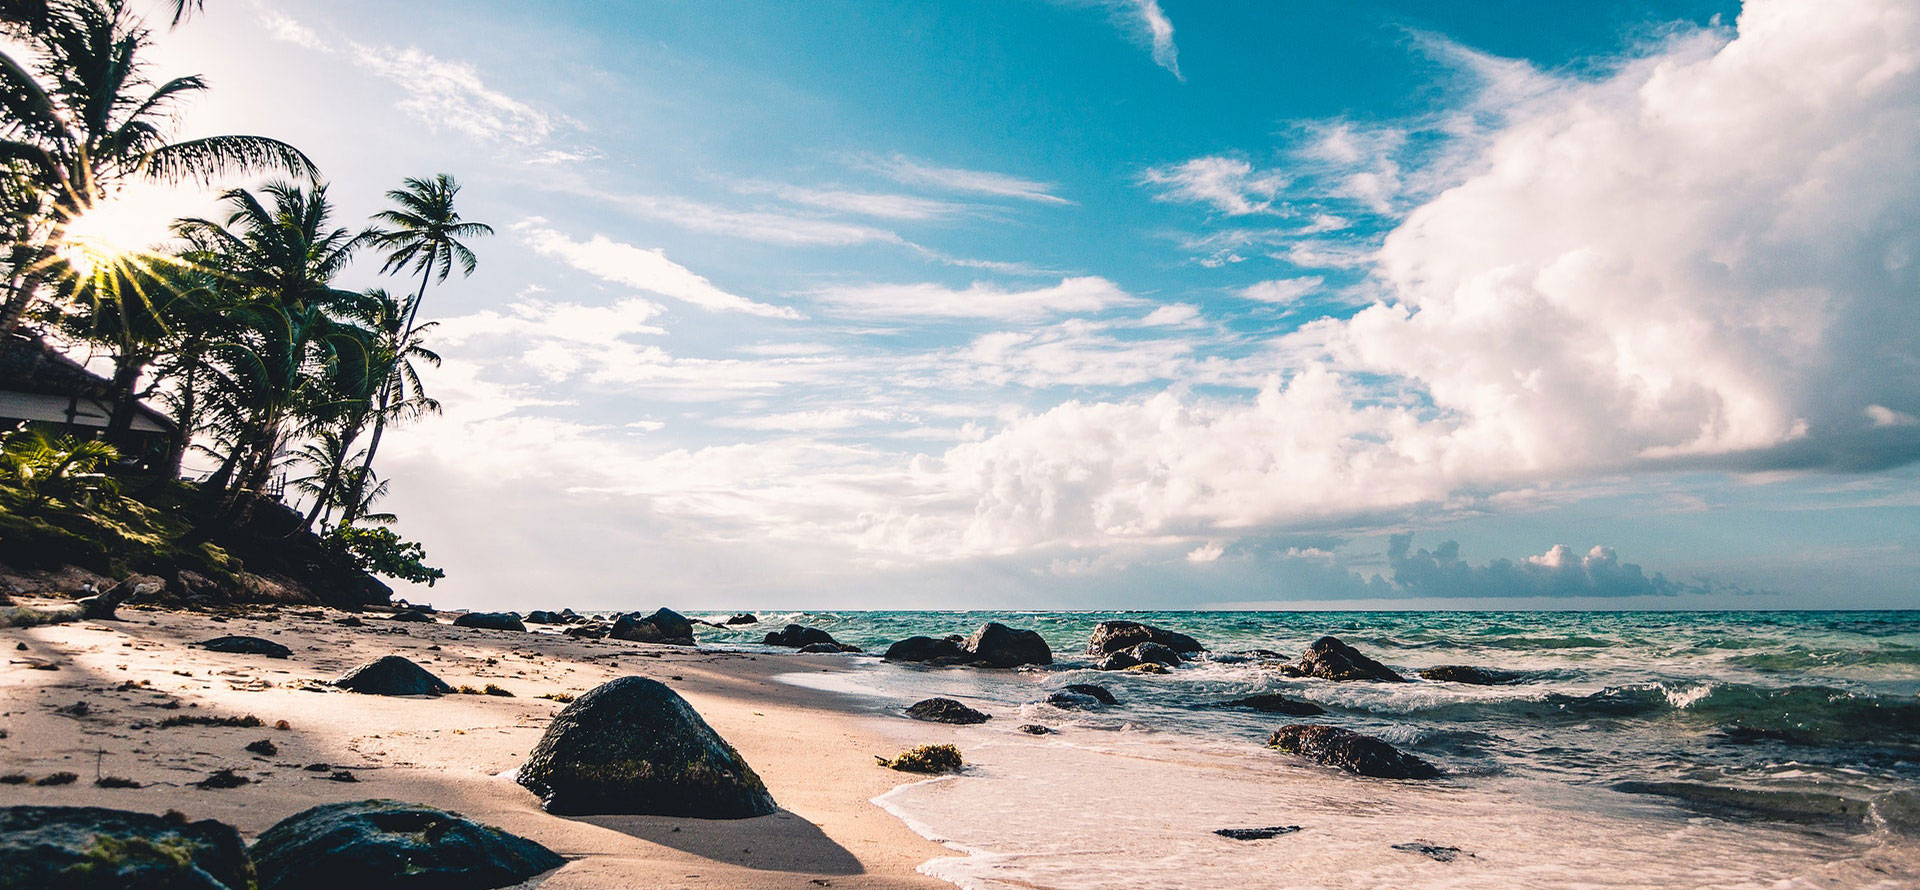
{"x": 1128, "y": 303}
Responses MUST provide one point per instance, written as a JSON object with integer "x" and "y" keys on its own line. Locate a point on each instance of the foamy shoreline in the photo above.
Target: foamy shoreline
{"x": 814, "y": 749}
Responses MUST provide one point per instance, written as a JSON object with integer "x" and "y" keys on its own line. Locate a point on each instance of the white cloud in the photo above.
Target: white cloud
{"x": 1282, "y": 291}
{"x": 452, "y": 97}
{"x": 823, "y": 420}
{"x": 1231, "y": 185}
{"x": 648, "y": 270}
{"x": 1172, "y": 315}
{"x": 1557, "y": 573}
{"x": 1881, "y": 416}
{"x": 912, "y": 172}
{"x": 1159, "y": 35}
{"x": 1208, "y": 552}
{"x": 877, "y": 204}
{"x": 979, "y": 300}
{"x": 772, "y": 227}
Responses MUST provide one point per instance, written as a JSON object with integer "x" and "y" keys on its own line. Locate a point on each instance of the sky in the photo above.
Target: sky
{"x": 1137, "y": 303}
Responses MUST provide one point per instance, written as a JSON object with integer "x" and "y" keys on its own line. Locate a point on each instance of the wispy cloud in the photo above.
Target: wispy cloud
{"x": 1282, "y": 291}
{"x": 770, "y": 226}
{"x": 1144, "y": 23}
{"x": 648, "y": 270}
{"x": 452, "y": 97}
{"x": 1230, "y": 185}
{"x": 912, "y": 172}
{"x": 977, "y": 301}
{"x": 859, "y": 203}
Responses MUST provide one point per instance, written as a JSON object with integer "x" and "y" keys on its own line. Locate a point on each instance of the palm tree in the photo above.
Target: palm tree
{"x": 85, "y": 120}
{"x": 422, "y": 234}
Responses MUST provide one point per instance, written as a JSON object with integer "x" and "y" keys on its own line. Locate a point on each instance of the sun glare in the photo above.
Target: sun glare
{"x": 108, "y": 233}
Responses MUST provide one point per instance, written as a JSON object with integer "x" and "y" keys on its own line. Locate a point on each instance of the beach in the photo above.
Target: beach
{"x": 457, "y": 751}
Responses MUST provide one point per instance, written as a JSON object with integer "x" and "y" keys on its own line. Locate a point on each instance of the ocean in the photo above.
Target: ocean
{"x": 1637, "y": 749}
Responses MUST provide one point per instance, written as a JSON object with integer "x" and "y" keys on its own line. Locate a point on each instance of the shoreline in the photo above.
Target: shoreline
{"x": 813, "y": 748}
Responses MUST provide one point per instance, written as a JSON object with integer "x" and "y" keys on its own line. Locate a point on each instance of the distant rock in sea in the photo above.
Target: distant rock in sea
{"x": 1110, "y": 637}
{"x": 634, "y": 746}
{"x": 1330, "y": 659}
{"x": 1351, "y": 751}
{"x": 795, "y": 636}
{"x": 946, "y": 710}
{"x": 992, "y": 645}
{"x": 1270, "y": 703}
{"x": 1139, "y": 654}
{"x": 663, "y": 626}
{"x": 742, "y": 618}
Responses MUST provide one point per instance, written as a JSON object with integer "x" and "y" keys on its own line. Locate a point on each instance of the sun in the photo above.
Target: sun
{"x": 106, "y": 235}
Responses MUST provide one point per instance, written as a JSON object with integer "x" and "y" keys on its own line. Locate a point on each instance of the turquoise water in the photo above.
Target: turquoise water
{"x": 1775, "y": 744}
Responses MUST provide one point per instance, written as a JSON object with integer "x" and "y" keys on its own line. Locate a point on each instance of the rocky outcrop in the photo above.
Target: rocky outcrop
{"x": 1269, "y": 703}
{"x": 1330, "y": 659}
{"x": 663, "y": 626}
{"x": 1351, "y": 751}
{"x": 392, "y": 675}
{"x": 946, "y": 710}
{"x": 92, "y": 848}
{"x": 795, "y": 636}
{"x": 993, "y": 645}
{"x": 1471, "y": 676}
{"x": 593, "y": 630}
{"x": 246, "y": 646}
{"x": 1110, "y": 637}
{"x": 388, "y": 844}
{"x": 1143, "y": 653}
{"x": 490, "y": 621}
{"x": 633, "y": 746}
{"x": 741, "y": 618}
{"x": 542, "y": 616}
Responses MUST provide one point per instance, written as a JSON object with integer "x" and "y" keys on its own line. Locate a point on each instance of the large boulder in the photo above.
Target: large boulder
{"x": 490, "y": 621}
{"x": 389, "y": 845}
{"x": 1270, "y": 703}
{"x": 925, "y": 649}
{"x": 246, "y": 646}
{"x": 946, "y": 710}
{"x": 633, "y": 746}
{"x": 1330, "y": 659}
{"x": 392, "y": 675}
{"x": 663, "y": 626}
{"x": 1471, "y": 676}
{"x": 997, "y": 645}
{"x": 92, "y": 848}
{"x": 1110, "y": 637}
{"x": 795, "y": 636}
{"x": 1351, "y": 751}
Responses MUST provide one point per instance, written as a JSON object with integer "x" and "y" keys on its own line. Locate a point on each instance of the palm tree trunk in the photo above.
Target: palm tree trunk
{"x": 127, "y": 368}
{"x": 352, "y": 509}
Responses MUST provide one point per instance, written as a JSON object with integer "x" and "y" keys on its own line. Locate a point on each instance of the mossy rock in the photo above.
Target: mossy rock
{"x": 389, "y": 845}
{"x": 926, "y": 759}
{"x": 634, "y": 746}
{"x": 93, "y": 848}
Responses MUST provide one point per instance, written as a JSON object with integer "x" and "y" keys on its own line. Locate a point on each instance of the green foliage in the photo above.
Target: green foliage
{"x": 382, "y": 552}
{"x": 66, "y": 468}
{"x": 925, "y": 759}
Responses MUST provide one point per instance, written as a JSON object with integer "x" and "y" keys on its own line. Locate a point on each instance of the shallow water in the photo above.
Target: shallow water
{"x": 1761, "y": 750}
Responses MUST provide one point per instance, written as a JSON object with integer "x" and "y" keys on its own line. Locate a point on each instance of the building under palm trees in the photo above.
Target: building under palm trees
{"x": 40, "y": 385}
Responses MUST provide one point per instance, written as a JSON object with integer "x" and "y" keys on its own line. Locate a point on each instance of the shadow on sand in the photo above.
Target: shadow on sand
{"x": 782, "y": 841}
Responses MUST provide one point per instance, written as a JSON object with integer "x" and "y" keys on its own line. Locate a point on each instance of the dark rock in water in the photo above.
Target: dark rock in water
{"x": 1785, "y": 806}
{"x": 93, "y": 848}
{"x": 1069, "y": 701}
{"x": 381, "y": 844}
{"x": 1094, "y": 691}
{"x": 1035, "y": 729}
{"x": 1276, "y": 704}
{"x": 1242, "y": 656}
{"x": 822, "y": 649}
{"x": 923, "y": 649}
{"x": 1350, "y": 751}
{"x": 1330, "y": 659}
{"x": 1114, "y": 636}
{"x": 1256, "y": 834}
{"x": 1437, "y": 854}
{"x": 742, "y": 618}
{"x": 1472, "y": 676}
{"x": 997, "y": 645}
{"x": 542, "y": 616}
{"x": 392, "y": 675}
{"x": 633, "y": 746}
{"x": 796, "y": 636}
{"x": 945, "y": 710}
{"x": 663, "y": 626}
{"x": 413, "y": 615}
{"x": 490, "y": 621}
{"x": 1142, "y": 653}
{"x": 246, "y": 646}
{"x": 593, "y": 631}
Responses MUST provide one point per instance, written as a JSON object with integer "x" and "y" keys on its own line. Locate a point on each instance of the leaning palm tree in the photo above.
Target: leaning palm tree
{"x": 82, "y": 120}
{"x": 423, "y": 234}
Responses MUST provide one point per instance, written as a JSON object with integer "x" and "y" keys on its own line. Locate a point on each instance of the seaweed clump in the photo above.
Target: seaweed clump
{"x": 925, "y": 759}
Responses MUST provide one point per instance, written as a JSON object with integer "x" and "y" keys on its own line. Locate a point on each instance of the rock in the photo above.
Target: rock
{"x": 1256, "y": 834}
{"x": 383, "y": 844}
{"x": 997, "y": 645}
{"x": 1114, "y": 636}
{"x": 1142, "y": 653}
{"x": 945, "y": 710}
{"x": 1350, "y": 751}
{"x": 1270, "y": 703}
{"x": 542, "y": 616}
{"x": 741, "y": 618}
{"x": 1035, "y": 729}
{"x": 1435, "y": 853}
{"x": 633, "y": 746}
{"x": 1148, "y": 668}
{"x": 93, "y": 848}
{"x": 593, "y": 631}
{"x": 826, "y": 649}
{"x": 490, "y": 621}
{"x": 795, "y": 636}
{"x": 102, "y": 606}
{"x": 246, "y": 646}
{"x": 1330, "y": 659}
{"x": 392, "y": 675}
{"x": 663, "y": 626}
{"x": 1093, "y": 690}
{"x": 924, "y": 649}
{"x": 925, "y": 759}
{"x": 414, "y": 615}
{"x": 1082, "y": 695}
{"x": 1472, "y": 676}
